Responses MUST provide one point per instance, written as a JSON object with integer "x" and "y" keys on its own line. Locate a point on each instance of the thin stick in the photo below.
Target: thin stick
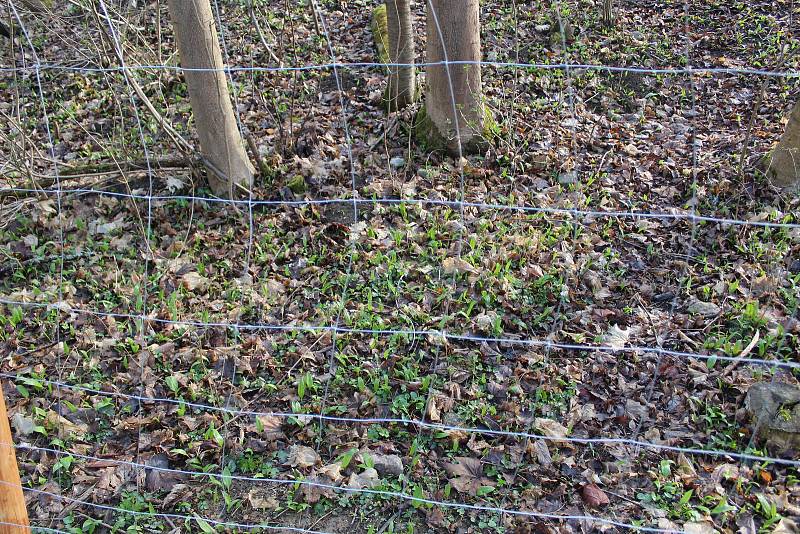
{"x": 13, "y": 514}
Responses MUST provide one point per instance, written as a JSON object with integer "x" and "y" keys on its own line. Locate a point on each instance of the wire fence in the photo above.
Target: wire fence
{"x": 699, "y": 71}
{"x": 148, "y": 315}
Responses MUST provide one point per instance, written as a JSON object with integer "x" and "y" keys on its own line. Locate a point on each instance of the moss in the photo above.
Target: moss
{"x": 297, "y": 185}
{"x": 380, "y": 32}
{"x": 426, "y": 133}
{"x": 491, "y": 128}
{"x": 428, "y": 136}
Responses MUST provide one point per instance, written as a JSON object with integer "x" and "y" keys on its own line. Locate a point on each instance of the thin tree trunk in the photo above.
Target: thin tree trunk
{"x": 460, "y": 34}
{"x": 220, "y": 140}
{"x": 402, "y": 80}
{"x": 608, "y": 13}
{"x": 783, "y": 167}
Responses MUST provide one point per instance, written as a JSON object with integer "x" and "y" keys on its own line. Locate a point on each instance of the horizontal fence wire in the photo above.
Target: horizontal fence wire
{"x": 313, "y": 484}
{"x": 412, "y": 422}
{"x": 676, "y": 215}
{"x": 440, "y": 334}
{"x": 193, "y": 518}
{"x": 33, "y": 528}
{"x": 369, "y": 64}
{"x": 663, "y": 215}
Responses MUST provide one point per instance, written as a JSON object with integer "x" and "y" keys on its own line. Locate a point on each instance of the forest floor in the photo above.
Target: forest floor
{"x": 450, "y": 317}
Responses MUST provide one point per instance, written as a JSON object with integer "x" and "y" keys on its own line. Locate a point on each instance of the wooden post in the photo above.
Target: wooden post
{"x": 12, "y": 500}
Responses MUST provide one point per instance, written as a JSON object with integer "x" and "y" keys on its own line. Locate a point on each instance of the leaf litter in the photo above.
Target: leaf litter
{"x": 584, "y": 280}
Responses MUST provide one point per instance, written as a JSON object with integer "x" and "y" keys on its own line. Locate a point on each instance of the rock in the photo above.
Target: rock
{"x": 159, "y": 479}
{"x": 786, "y": 526}
{"x": 775, "y": 412}
{"x": 706, "y": 309}
{"x": 387, "y": 464}
{"x": 699, "y": 527}
{"x": 664, "y": 297}
{"x": 368, "y": 479}
{"x": 31, "y": 241}
{"x": 397, "y": 162}
{"x": 23, "y": 425}
{"x": 568, "y": 178}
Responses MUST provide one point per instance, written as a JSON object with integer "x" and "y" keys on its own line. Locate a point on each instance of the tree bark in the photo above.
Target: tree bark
{"x": 460, "y": 34}
{"x": 220, "y": 139}
{"x": 607, "y": 13}
{"x": 783, "y": 165}
{"x": 402, "y": 80}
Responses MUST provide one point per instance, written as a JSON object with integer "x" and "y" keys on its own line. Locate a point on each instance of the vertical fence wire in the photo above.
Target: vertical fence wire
{"x": 143, "y": 318}
{"x": 352, "y": 237}
{"x": 59, "y": 214}
{"x": 693, "y": 217}
{"x": 141, "y": 309}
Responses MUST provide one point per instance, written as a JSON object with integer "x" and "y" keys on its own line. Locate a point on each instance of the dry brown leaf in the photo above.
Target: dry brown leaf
{"x": 65, "y": 427}
{"x": 332, "y": 471}
{"x": 617, "y": 337}
{"x": 312, "y": 492}
{"x": 542, "y": 452}
{"x": 550, "y": 428}
{"x": 178, "y": 492}
{"x": 593, "y": 496}
{"x": 302, "y": 456}
{"x": 457, "y": 265}
{"x": 270, "y": 426}
{"x": 367, "y": 479}
{"x": 432, "y": 411}
{"x": 194, "y": 281}
{"x": 260, "y": 500}
{"x": 467, "y": 475}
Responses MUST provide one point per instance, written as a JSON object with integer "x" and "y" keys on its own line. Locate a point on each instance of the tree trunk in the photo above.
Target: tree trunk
{"x": 460, "y": 34}
{"x": 402, "y": 80}
{"x": 607, "y": 14}
{"x": 783, "y": 165}
{"x": 220, "y": 140}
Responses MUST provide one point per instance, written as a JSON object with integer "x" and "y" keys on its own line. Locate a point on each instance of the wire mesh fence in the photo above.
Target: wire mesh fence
{"x": 558, "y": 333}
